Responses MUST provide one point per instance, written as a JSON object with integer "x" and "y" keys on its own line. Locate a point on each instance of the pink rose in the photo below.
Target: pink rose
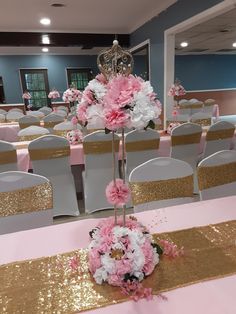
{"x": 115, "y": 118}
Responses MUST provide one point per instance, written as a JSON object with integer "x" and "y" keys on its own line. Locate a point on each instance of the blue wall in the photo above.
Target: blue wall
{"x": 202, "y": 72}
{"x": 154, "y": 29}
{"x": 56, "y": 65}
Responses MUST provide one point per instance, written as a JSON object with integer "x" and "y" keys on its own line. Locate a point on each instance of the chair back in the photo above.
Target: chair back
{"x": 8, "y": 157}
{"x": 161, "y": 182}
{"x": 140, "y": 146}
{"x": 27, "y": 121}
{"x": 36, "y": 113}
{"x": 51, "y": 120}
{"x": 13, "y": 116}
{"x": 26, "y": 201}
{"x": 184, "y": 108}
{"x": 61, "y": 129}
{"x": 2, "y": 117}
{"x": 62, "y": 113}
{"x": 201, "y": 118}
{"x": 16, "y": 110}
{"x": 98, "y": 168}
{"x": 50, "y": 156}
{"x": 195, "y": 106}
{"x": 45, "y": 110}
{"x": 217, "y": 175}
{"x": 219, "y": 137}
{"x": 208, "y": 106}
{"x": 63, "y": 108}
{"x": 31, "y": 132}
{"x": 2, "y": 111}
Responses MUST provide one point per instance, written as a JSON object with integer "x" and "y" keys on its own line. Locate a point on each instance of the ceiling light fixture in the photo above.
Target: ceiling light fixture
{"x": 45, "y": 40}
{"x": 58, "y": 5}
{"x": 45, "y": 49}
{"x": 234, "y": 44}
{"x": 45, "y": 21}
{"x": 184, "y": 44}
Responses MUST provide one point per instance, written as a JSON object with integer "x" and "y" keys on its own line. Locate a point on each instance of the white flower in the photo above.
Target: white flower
{"x": 100, "y": 275}
{"x": 146, "y": 88}
{"x": 98, "y": 89}
{"x": 120, "y": 231}
{"x": 108, "y": 263}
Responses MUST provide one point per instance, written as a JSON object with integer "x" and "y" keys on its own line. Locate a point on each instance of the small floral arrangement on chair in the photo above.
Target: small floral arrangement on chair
{"x": 171, "y": 126}
{"x": 54, "y": 94}
{"x": 75, "y": 137}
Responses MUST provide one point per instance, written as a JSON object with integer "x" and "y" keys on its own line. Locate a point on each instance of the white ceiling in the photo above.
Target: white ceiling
{"x": 81, "y": 16}
{"x": 212, "y": 37}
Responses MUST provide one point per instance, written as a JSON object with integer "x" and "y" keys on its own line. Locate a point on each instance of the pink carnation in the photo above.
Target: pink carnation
{"x": 74, "y": 120}
{"x": 81, "y": 112}
{"x": 88, "y": 96}
{"x": 116, "y": 118}
{"x": 117, "y": 194}
{"x": 101, "y": 78}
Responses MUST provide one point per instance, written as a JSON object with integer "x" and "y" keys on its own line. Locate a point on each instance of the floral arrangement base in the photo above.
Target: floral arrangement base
{"x": 122, "y": 255}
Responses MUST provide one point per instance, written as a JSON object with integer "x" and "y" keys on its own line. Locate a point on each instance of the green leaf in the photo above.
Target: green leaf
{"x": 158, "y": 248}
{"x": 150, "y": 125}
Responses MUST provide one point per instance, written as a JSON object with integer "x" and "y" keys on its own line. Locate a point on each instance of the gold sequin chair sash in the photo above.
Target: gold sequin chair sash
{"x": 99, "y": 147}
{"x": 186, "y": 139}
{"x": 31, "y": 137}
{"x": 191, "y": 106}
{"x": 23, "y": 125}
{"x": 62, "y": 133}
{"x": 26, "y": 200}
{"x": 149, "y": 191}
{"x": 8, "y": 157}
{"x": 49, "y": 153}
{"x": 51, "y": 124}
{"x": 212, "y": 176}
{"x": 143, "y": 145}
{"x": 220, "y": 134}
{"x": 202, "y": 122}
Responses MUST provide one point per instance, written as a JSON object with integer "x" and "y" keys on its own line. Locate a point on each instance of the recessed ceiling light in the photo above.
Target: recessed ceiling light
{"x": 45, "y": 49}
{"x": 234, "y": 45}
{"x": 45, "y": 40}
{"x": 45, "y": 21}
{"x": 58, "y": 5}
{"x": 184, "y": 44}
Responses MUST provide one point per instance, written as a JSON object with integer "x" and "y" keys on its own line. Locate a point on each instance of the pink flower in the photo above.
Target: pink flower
{"x": 123, "y": 267}
{"x": 88, "y": 96}
{"x": 149, "y": 258}
{"x": 74, "y": 120}
{"x": 101, "y": 79}
{"x": 115, "y": 118}
{"x": 170, "y": 249}
{"x": 81, "y": 112}
{"x": 117, "y": 194}
{"x": 94, "y": 260}
{"x": 115, "y": 280}
{"x": 174, "y": 112}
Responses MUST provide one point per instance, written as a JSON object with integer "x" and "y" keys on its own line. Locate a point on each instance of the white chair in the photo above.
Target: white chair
{"x": 2, "y": 117}
{"x": 51, "y": 120}
{"x": 50, "y": 157}
{"x": 140, "y": 146}
{"x": 8, "y": 157}
{"x": 25, "y": 201}
{"x": 98, "y": 169}
{"x": 195, "y": 106}
{"x": 217, "y": 175}
{"x": 16, "y": 110}
{"x": 36, "y": 113}
{"x": 63, "y": 128}
{"x": 208, "y": 106}
{"x": 63, "y": 108}
{"x": 184, "y": 108}
{"x": 2, "y": 111}
{"x": 31, "y": 133}
{"x": 27, "y": 121}
{"x": 14, "y": 116}
{"x": 62, "y": 113}
{"x": 201, "y": 118}
{"x": 185, "y": 141}
{"x": 71, "y": 116}
{"x": 161, "y": 182}
{"x": 45, "y": 110}
{"x": 219, "y": 137}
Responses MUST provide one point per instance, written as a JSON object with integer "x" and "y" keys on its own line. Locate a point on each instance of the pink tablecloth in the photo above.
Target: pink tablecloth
{"x": 77, "y": 154}
{"x": 210, "y": 297}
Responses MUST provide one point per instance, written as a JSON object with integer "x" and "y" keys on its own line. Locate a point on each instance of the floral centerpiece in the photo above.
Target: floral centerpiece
{"x": 72, "y": 95}
{"x": 121, "y": 252}
{"x": 54, "y": 94}
{"x": 74, "y": 137}
{"x": 27, "y": 96}
{"x": 176, "y": 91}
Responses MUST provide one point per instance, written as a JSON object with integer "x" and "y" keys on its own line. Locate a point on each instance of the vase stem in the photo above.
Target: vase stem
{"x": 114, "y": 170}
{"x": 123, "y": 169}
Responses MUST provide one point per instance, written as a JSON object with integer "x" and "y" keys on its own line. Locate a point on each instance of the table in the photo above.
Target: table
{"x": 210, "y": 297}
{"x": 11, "y": 106}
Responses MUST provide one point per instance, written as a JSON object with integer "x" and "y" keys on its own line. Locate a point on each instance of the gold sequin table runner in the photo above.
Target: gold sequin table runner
{"x": 50, "y": 286}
